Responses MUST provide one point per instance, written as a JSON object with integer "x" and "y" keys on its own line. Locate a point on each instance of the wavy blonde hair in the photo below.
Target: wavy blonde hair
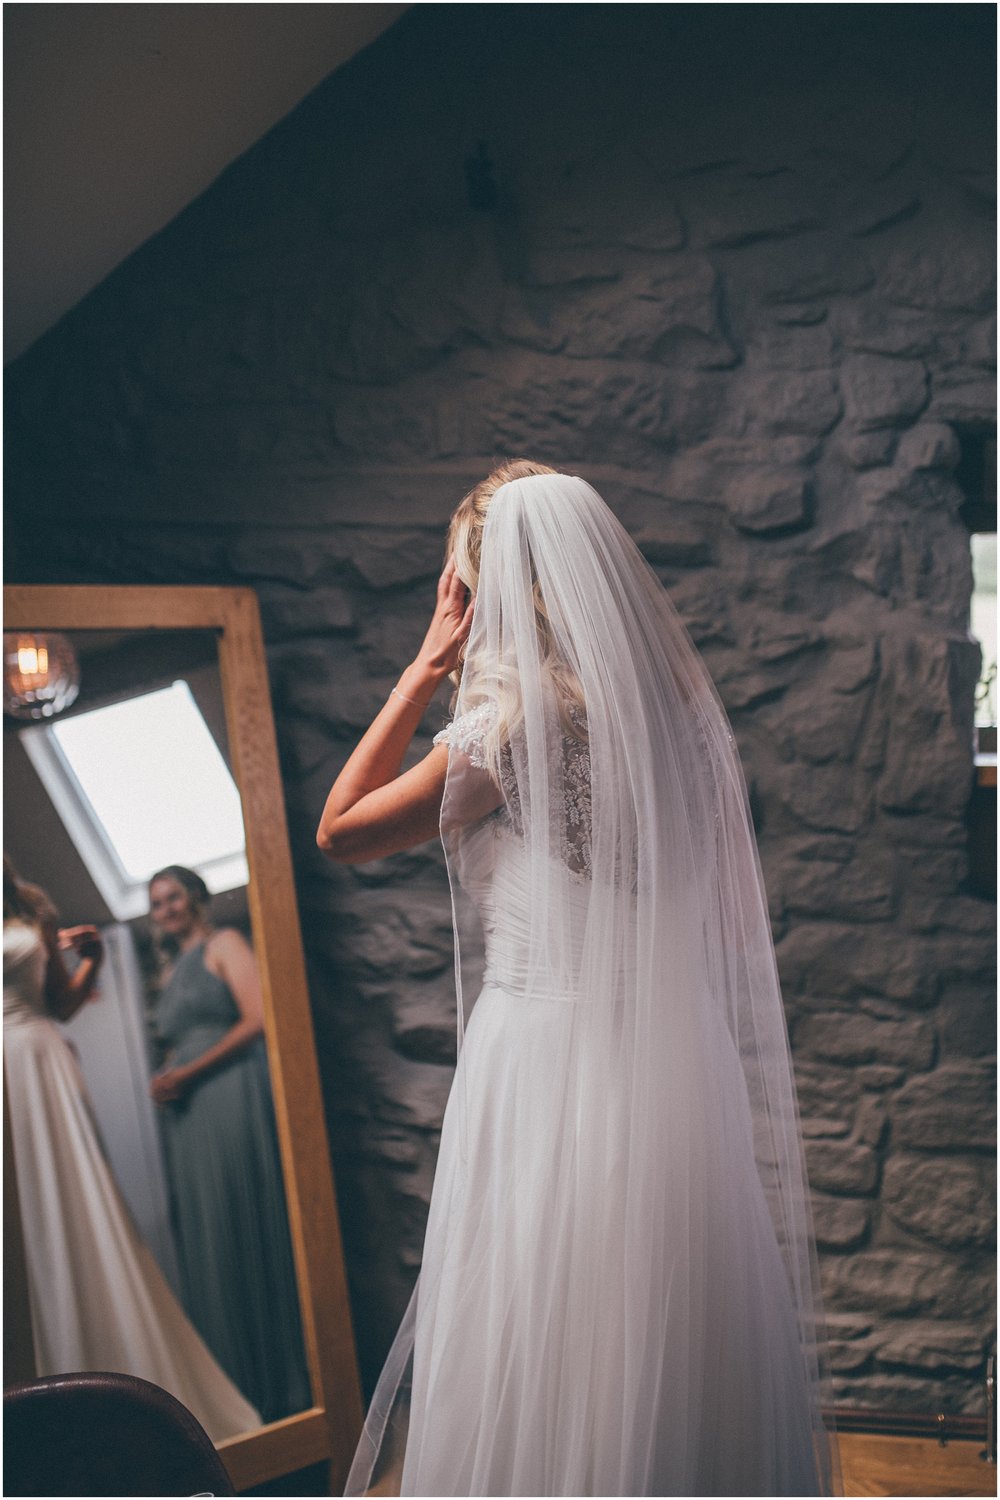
{"x": 465, "y": 530}
{"x": 465, "y": 544}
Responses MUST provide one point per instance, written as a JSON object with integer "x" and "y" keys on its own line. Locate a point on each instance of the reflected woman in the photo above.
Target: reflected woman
{"x": 221, "y": 1145}
{"x": 98, "y": 1298}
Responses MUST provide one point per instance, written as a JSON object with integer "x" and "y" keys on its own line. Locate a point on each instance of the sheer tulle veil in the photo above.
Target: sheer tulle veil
{"x": 600, "y": 735}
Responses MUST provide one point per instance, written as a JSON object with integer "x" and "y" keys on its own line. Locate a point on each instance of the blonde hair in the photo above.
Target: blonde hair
{"x": 465, "y": 544}
{"x": 465, "y": 530}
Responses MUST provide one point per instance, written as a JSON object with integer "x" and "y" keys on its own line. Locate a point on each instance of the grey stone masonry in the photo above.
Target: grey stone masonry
{"x": 735, "y": 266}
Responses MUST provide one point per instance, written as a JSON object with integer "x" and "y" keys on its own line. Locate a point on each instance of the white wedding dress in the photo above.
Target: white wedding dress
{"x": 618, "y": 1291}
{"x": 98, "y": 1298}
{"x": 506, "y": 1376}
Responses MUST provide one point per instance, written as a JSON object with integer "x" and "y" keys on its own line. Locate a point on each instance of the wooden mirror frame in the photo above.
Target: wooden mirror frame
{"x": 330, "y": 1428}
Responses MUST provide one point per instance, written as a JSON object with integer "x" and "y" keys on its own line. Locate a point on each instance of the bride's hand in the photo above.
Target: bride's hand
{"x": 449, "y": 627}
{"x": 85, "y": 942}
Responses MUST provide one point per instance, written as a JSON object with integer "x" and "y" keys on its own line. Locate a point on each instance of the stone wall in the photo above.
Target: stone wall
{"x": 734, "y": 265}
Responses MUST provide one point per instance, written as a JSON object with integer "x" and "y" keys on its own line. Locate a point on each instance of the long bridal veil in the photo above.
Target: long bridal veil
{"x": 659, "y": 1328}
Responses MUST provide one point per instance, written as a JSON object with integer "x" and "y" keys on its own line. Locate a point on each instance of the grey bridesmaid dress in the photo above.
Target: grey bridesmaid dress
{"x": 228, "y": 1199}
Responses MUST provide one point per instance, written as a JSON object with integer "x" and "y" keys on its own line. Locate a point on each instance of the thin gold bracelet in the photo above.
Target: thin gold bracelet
{"x": 416, "y": 703}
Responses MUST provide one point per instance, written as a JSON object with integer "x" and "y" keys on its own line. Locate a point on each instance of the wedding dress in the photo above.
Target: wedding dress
{"x": 98, "y": 1298}
{"x": 618, "y": 1291}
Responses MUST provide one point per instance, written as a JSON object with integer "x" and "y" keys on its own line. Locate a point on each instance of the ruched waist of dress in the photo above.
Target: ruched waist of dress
{"x": 18, "y": 1012}
{"x": 550, "y": 950}
{"x": 521, "y": 990}
{"x": 518, "y": 983}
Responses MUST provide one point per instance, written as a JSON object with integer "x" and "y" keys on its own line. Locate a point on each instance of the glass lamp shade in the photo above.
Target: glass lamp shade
{"x": 41, "y": 675}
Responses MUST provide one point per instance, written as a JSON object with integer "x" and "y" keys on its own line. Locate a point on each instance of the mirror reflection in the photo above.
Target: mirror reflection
{"x": 148, "y": 1172}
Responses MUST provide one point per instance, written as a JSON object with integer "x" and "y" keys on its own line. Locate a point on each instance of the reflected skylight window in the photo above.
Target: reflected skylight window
{"x": 142, "y": 784}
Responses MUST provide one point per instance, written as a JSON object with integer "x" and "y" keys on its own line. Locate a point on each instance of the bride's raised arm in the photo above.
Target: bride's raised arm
{"x": 373, "y": 811}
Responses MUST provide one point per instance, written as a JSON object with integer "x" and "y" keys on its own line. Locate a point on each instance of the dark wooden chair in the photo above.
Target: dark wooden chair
{"x": 105, "y": 1434}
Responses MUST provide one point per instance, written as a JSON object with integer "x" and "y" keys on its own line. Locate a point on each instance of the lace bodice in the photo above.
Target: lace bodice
{"x": 572, "y": 833}
{"x": 468, "y": 734}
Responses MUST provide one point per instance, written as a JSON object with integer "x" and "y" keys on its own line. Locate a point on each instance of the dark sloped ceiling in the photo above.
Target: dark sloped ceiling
{"x": 117, "y": 116}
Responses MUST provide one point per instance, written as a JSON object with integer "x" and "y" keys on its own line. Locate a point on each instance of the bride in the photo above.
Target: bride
{"x": 618, "y": 1293}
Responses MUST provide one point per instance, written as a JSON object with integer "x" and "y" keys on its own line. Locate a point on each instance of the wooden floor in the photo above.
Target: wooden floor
{"x": 876, "y": 1465}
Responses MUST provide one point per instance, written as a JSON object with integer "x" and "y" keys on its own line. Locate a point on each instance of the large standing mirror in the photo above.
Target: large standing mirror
{"x": 166, "y": 761}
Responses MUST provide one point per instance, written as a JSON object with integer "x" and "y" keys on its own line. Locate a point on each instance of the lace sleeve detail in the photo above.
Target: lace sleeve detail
{"x": 467, "y": 733}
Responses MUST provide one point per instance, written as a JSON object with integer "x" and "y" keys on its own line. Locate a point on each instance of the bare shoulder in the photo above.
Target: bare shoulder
{"x": 225, "y": 945}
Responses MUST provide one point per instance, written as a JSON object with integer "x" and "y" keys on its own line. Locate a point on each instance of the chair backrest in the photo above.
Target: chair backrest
{"x": 105, "y": 1434}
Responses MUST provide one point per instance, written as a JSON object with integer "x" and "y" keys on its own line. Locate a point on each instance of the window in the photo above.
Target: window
{"x": 983, "y": 624}
{"x": 977, "y": 475}
{"x": 142, "y": 784}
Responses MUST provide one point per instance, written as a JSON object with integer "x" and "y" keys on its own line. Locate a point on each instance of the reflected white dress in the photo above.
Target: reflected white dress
{"x": 98, "y": 1298}
{"x": 524, "y": 1365}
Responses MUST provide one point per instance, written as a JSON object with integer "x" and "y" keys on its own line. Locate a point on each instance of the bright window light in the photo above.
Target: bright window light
{"x": 141, "y": 784}
{"x": 983, "y": 621}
